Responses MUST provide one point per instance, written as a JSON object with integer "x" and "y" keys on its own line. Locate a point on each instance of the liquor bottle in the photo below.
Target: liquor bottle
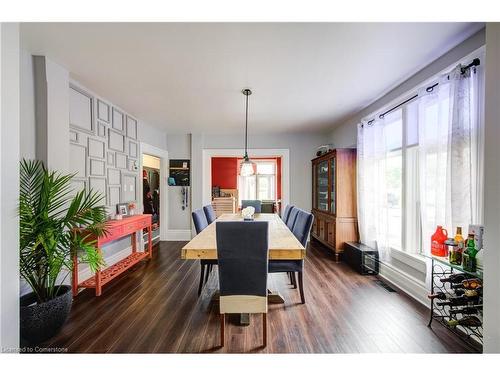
{"x": 458, "y": 301}
{"x": 459, "y": 239}
{"x": 439, "y": 295}
{"x": 466, "y": 310}
{"x": 455, "y": 253}
{"x": 454, "y": 278}
{"x": 468, "y": 284}
{"x": 469, "y": 255}
{"x": 468, "y": 321}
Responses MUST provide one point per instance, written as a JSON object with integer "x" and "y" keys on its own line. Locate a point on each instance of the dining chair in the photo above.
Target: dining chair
{"x": 242, "y": 252}
{"x": 286, "y": 213}
{"x": 291, "y": 217}
{"x": 252, "y": 203}
{"x": 301, "y": 229}
{"x": 200, "y": 223}
{"x": 209, "y": 213}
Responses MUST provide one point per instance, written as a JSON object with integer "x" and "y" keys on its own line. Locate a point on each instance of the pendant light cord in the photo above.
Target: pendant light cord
{"x": 246, "y": 128}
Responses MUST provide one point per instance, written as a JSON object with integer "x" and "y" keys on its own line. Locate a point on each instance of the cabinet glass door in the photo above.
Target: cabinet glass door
{"x": 332, "y": 186}
{"x": 322, "y": 186}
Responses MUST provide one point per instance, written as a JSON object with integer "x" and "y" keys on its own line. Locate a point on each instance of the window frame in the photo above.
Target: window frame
{"x": 256, "y": 175}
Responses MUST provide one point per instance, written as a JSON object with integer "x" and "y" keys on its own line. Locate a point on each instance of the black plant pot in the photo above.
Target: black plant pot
{"x": 40, "y": 322}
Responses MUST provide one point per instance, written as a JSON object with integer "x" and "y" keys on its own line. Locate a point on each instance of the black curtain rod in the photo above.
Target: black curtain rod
{"x": 464, "y": 69}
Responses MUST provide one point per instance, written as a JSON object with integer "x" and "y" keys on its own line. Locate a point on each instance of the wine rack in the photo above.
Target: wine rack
{"x": 442, "y": 268}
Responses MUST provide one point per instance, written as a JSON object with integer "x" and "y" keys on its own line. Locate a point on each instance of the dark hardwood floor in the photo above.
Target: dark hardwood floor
{"x": 154, "y": 308}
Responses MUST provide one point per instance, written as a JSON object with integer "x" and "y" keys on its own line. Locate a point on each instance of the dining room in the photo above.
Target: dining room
{"x": 305, "y": 208}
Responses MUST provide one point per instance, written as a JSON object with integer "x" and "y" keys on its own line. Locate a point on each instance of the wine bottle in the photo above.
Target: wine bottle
{"x": 458, "y": 301}
{"x": 439, "y": 295}
{"x": 466, "y": 310}
{"x": 468, "y": 321}
{"x": 454, "y": 278}
{"x": 468, "y": 284}
{"x": 468, "y": 292}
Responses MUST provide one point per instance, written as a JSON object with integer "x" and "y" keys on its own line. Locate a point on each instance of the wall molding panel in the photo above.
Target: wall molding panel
{"x": 103, "y": 148}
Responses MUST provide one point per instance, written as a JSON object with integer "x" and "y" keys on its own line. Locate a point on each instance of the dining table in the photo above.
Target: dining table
{"x": 283, "y": 245}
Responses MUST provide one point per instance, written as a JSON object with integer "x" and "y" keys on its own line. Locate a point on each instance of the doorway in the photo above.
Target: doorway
{"x": 151, "y": 191}
{"x": 154, "y": 172}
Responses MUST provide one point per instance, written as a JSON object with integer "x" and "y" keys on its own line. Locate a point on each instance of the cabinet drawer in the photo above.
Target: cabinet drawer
{"x": 113, "y": 234}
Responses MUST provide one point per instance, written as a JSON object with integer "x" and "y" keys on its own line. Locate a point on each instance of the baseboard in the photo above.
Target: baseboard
{"x": 408, "y": 284}
{"x": 85, "y": 273}
{"x": 179, "y": 235}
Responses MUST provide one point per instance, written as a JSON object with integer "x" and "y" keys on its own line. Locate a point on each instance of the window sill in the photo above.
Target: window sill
{"x": 415, "y": 261}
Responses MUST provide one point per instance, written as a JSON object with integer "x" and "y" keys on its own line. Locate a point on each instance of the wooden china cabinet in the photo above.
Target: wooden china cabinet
{"x": 334, "y": 199}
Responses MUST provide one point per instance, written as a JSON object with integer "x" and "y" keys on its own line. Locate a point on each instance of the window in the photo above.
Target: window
{"x": 262, "y": 185}
{"x": 415, "y": 168}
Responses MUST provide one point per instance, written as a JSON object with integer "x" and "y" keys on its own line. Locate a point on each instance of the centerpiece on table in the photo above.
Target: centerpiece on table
{"x": 248, "y": 213}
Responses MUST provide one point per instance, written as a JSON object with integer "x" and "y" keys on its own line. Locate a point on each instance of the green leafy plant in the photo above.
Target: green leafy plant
{"x": 55, "y": 224}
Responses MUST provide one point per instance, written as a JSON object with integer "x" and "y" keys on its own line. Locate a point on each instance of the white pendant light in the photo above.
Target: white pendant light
{"x": 247, "y": 168}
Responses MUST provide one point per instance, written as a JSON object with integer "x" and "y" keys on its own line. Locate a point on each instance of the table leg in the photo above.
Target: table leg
{"x": 133, "y": 240}
{"x": 150, "y": 242}
{"x": 274, "y": 297}
{"x": 98, "y": 286}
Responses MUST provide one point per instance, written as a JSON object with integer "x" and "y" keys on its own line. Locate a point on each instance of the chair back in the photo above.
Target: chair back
{"x": 199, "y": 220}
{"x": 302, "y": 226}
{"x": 252, "y": 203}
{"x": 291, "y": 217}
{"x": 286, "y": 213}
{"x": 210, "y": 213}
{"x": 242, "y": 254}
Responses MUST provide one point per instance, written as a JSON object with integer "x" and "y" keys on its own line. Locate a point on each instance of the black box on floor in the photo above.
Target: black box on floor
{"x": 361, "y": 258}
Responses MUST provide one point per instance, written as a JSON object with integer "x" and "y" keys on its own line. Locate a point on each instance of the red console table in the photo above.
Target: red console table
{"x": 117, "y": 229}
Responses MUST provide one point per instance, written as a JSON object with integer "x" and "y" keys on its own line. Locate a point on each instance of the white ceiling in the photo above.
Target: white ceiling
{"x": 187, "y": 77}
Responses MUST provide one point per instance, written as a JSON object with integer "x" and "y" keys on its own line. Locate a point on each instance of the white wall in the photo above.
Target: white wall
{"x": 9, "y": 185}
{"x": 492, "y": 191}
{"x": 179, "y": 147}
{"x": 345, "y": 133}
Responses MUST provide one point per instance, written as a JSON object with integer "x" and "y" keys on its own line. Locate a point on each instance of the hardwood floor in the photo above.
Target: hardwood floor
{"x": 154, "y": 308}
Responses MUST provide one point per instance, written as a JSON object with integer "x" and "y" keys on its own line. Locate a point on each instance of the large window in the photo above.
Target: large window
{"x": 419, "y": 165}
{"x": 262, "y": 185}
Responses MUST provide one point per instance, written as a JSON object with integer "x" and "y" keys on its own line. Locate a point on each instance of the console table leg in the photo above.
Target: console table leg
{"x": 150, "y": 242}
{"x": 133, "y": 239}
{"x": 98, "y": 286}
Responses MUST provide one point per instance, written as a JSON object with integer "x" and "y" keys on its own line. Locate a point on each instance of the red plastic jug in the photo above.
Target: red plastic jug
{"x": 438, "y": 247}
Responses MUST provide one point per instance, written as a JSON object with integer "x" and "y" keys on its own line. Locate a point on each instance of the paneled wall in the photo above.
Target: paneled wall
{"x": 104, "y": 150}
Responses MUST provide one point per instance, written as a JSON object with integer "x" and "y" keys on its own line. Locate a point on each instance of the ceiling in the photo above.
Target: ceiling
{"x": 187, "y": 77}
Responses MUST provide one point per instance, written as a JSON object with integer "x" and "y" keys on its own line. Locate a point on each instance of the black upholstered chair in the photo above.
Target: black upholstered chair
{"x": 286, "y": 213}
{"x": 301, "y": 228}
{"x": 200, "y": 222}
{"x": 291, "y": 217}
{"x": 252, "y": 203}
{"x": 242, "y": 252}
{"x": 209, "y": 213}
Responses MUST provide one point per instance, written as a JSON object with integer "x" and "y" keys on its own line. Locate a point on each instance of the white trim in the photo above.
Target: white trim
{"x": 408, "y": 284}
{"x": 145, "y": 148}
{"x": 414, "y": 261}
{"x": 257, "y": 152}
{"x": 179, "y": 235}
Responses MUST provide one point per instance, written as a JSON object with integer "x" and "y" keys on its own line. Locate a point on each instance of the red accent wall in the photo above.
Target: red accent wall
{"x": 225, "y": 173}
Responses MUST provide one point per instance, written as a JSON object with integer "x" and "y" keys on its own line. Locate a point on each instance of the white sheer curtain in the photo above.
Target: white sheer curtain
{"x": 372, "y": 186}
{"x": 447, "y": 187}
{"x": 450, "y": 154}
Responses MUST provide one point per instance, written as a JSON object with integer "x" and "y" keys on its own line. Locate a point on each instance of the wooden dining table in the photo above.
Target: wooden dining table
{"x": 283, "y": 245}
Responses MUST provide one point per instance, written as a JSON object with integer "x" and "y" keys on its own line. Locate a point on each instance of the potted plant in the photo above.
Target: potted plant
{"x": 49, "y": 212}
